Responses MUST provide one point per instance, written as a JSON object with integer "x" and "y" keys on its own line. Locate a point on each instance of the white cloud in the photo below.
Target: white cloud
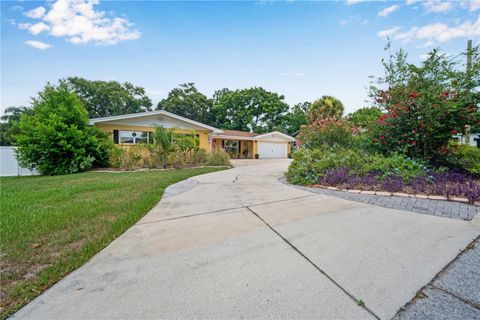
{"x": 36, "y": 13}
{"x": 388, "y": 10}
{"x": 410, "y": 2}
{"x": 440, "y": 32}
{"x": 37, "y": 44}
{"x": 388, "y": 32}
{"x": 34, "y": 28}
{"x": 437, "y": 6}
{"x": 79, "y": 22}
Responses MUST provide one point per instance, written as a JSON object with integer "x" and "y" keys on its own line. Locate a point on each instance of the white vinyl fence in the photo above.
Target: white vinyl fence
{"x": 9, "y": 165}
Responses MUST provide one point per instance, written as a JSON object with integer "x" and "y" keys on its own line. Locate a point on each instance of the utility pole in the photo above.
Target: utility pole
{"x": 469, "y": 56}
{"x": 469, "y": 70}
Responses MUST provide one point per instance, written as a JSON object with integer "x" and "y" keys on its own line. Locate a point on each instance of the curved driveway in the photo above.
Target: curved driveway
{"x": 240, "y": 244}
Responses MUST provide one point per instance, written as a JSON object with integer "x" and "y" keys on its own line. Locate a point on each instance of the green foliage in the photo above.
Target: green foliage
{"x": 326, "y": 131}
{"x": 188, "y": 102}
{"x": 186, "y": 142}
{"x": 9, "y": 125}
{"x": 219, "y": 158}
{"x": 364, "y": 117}
{"x": 55, "y": 137}
{"x": 464, "y": 157}
{"x": 325, "y": 107}
{"x": 296, "y": 118}
{"x": 425, "y": 105}
{"x": 109, "y": 98}
{"x": 163, "y": 144}
{"x": 253, "y": 109}
{"x": 309, "y": 165}
{"x": 167, "y": 150}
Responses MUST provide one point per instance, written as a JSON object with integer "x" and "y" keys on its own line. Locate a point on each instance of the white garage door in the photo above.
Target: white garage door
{"x": 272, "y": 150}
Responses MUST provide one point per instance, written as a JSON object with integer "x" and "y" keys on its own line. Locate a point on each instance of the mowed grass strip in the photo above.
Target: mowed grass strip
{"x": 52, "y": 225}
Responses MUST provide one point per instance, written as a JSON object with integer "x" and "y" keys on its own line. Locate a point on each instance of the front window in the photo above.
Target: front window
{"x": 134, "y": 136}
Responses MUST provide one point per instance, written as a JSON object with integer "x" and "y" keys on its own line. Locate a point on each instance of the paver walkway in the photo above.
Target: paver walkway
{"x": 453, "y": 295}
{"x": 240, "y": 244}
{"x": 448, "y": 209}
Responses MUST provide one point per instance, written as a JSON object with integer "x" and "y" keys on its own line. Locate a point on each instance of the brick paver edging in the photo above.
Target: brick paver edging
{"x": 440, "y": 208}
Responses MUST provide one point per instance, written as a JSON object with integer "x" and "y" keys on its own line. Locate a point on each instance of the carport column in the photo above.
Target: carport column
{"x": 255, "y": 148}
{"x": 210, "y": 141}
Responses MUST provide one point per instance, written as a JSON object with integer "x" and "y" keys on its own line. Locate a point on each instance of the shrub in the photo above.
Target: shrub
{"x": 392, "y": 184}
{"x": 327, "y": 131}
{"x": 399, "y": 165}
{"x": 364, "y": 117}
{"x": 310, "y": 165}
{"x": 425, "y": 105}
{"x": 55, "y": 137}
{"x": 218, "y": 158}
{"x": 465, "y": 158}
{"x": 177, "y": 159}
{"x": 126, "y": 159}
{"x": 199, "y": 156}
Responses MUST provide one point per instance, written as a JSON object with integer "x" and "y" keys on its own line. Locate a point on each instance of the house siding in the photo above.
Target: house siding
{"x": 203, "y": 135}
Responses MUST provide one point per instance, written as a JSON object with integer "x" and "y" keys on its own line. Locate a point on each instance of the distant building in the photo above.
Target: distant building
{"x": 474, "y": 139}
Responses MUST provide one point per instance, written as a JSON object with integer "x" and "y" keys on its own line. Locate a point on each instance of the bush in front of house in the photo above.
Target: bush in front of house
{"x": 464, "y": 157}
{"x": 309, "y": 166}
{"x": 55, "y": 137}
{"x": 327, "y": 131}
{"x": 168, "y": 150}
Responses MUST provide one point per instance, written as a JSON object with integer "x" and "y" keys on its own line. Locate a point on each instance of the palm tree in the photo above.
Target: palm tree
{"x": 325, "y": 107}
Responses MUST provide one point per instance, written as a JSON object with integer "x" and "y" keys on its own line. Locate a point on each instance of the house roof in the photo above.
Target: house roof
{"x": 151, "y": 113}
{"x": 241, "y": 135}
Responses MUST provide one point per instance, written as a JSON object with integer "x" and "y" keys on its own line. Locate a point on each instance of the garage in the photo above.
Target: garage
{"x": 272, "y": 150}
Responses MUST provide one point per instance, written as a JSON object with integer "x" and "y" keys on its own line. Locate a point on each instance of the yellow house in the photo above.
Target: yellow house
{"x": 129, "y": 129}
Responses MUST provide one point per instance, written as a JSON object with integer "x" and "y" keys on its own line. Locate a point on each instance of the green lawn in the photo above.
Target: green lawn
{"x": 52, "y": 225}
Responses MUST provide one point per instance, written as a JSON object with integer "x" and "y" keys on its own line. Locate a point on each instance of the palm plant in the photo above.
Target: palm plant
{"x": 163, "y": 144}
{"x": 325, "y": 107}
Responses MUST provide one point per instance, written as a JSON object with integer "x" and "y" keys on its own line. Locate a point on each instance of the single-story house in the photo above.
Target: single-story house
{"x": 128, "y": 129}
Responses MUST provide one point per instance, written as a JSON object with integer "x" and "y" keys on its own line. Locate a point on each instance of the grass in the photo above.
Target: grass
{"x": 52, "y": 225}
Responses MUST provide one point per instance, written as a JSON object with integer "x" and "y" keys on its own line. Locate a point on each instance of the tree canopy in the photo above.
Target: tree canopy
{"x": 296, "y": 117}
{"x": 188, "y": 102}
{"x": 364, "y": 117}
{"x": 109, "y": 98}
{"x": 254, "y": 109}
{"x": 55, "y": 137}
{"x": 9, "y": 125}
{"x": 325, "y": 107}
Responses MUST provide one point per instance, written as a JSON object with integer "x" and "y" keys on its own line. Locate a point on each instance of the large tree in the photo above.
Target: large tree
{"x": 296, "y": 117}
{"x": 254, "y": 109}
{"x": 9, "y": 125}
{"x": 188, "y": 102}
{"x": 109, "y": 98}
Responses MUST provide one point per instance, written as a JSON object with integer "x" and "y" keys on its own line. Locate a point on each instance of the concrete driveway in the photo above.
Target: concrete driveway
{"x": 240, "y": 244}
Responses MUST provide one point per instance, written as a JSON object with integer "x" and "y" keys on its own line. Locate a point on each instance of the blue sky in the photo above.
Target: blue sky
{"x": 302, "y": 50}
